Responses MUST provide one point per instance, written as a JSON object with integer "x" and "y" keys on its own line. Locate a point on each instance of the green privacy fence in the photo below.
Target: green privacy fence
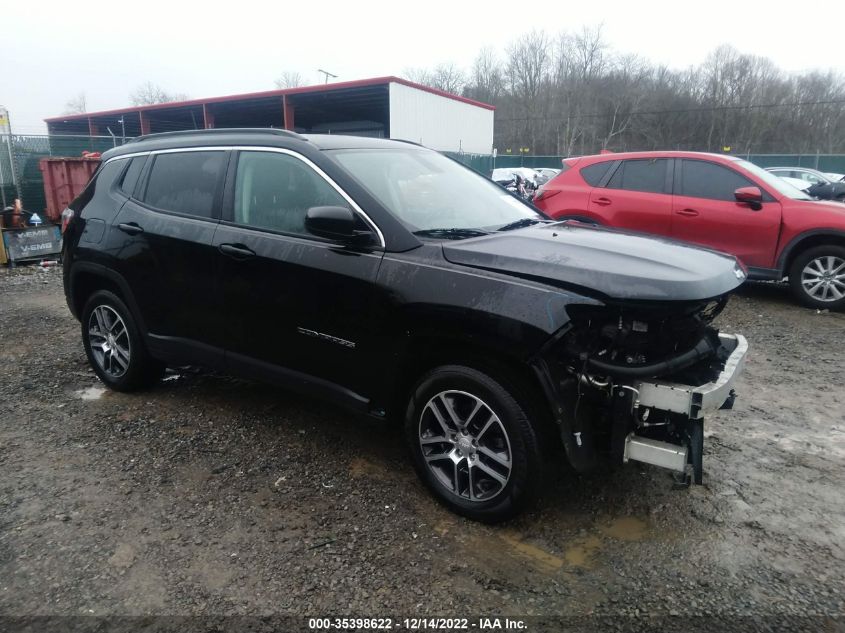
{"x": 823, "y": 162}
{"x": 485, "y": 163}
{"x": 21, "y": 177}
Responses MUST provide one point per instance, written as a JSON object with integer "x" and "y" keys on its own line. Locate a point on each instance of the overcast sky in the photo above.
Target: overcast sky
{"x": 51, "y": 51}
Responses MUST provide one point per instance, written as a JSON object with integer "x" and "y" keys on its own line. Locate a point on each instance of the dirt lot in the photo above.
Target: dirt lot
{"x": 209, "y": 495}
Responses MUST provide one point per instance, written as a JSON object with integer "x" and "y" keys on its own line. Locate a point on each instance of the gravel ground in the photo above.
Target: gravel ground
{"x": 209, "y": 495}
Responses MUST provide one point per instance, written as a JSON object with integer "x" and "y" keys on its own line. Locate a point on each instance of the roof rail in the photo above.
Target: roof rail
{"x": 219, "y": 131}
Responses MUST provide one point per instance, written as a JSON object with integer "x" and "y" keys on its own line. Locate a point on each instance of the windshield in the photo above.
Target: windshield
{"x": 428, "y": 191}
{"x": 775, "y": 182}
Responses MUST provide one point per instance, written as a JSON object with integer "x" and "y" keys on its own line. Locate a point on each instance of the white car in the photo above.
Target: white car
{"x": 504, "y": 174}
{"x": 798, "y": 183}
{"x": 547, "y": 172}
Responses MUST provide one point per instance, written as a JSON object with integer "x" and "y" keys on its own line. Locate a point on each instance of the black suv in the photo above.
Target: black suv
{"x": 401, "y": 284}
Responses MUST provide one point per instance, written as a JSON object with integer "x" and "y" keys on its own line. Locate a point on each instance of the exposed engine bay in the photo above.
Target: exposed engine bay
{"x": 634, "y": 380}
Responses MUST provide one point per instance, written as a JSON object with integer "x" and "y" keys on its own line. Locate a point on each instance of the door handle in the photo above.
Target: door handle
{"x": 602, "y": 201}
{"x": 237, "y": 251}
{"x": 130, "y": 227}
{"x": 690, "y": 213}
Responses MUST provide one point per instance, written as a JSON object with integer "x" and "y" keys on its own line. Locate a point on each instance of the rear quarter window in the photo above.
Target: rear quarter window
{"x": 130, "y": 176}
{"x": 99, "y": 186}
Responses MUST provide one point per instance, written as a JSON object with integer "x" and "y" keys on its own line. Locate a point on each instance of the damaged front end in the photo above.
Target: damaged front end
{"x": 633, "y": 381}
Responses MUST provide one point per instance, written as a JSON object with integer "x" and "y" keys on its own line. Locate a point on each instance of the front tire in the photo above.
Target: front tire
{"x": 472, "y": 443}
{"x": 114, "y": 346}
{"x": 817, "y": 277}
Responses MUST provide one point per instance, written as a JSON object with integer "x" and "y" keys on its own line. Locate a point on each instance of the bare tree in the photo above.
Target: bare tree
{"x": 149, "y": 93}
{"x": 486, "y": 82}
{"x": 289, "y": 79}
{"x": 571, "y": 93}
{"x": 448, "y": 77}
{"x": 76, "y": 105}
{"x": 419, "y": 75}
{"x": 527, "y": 76}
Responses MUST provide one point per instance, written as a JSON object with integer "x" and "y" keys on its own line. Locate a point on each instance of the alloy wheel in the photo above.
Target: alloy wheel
{"x": 109, "y": 341}
{"x": 465, "y": 445}
{"x": 823, "y": 278}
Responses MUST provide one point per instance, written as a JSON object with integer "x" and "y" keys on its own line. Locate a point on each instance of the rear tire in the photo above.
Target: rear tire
{"x": 472, "y": 443}
{"x": 817, "y": 277}
{"x": 114, "y": 345}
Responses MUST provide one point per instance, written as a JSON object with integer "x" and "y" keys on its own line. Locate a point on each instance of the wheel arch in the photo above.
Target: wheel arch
{"x": 426, "y": 353}
{"x": 808, "y": 239}
{"x": 86, "y": 278}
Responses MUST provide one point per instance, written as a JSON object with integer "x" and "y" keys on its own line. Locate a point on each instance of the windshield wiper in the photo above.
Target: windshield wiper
{"x": 451, "y": 234}
{"x": 518, "y": 224}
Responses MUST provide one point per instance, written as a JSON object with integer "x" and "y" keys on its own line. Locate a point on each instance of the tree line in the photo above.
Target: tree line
{"x": 571, "y": 94}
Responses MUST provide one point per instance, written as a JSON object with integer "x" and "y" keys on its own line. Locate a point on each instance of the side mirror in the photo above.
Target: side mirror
{"x": 751, "y": 196}
{"x": 335, "y": 223}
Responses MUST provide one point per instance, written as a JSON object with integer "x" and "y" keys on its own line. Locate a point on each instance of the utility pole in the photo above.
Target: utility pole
{"x": 327, "y": 74}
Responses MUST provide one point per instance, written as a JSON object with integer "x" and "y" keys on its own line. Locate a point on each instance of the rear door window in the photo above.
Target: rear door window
{"x": 701, "y": 179}
{"x": 592, "y": 174}
{"x": 185, "y": 182}
{"x": 648, "y": 175}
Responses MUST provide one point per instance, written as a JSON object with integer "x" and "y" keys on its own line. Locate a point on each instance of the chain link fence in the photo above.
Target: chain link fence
{"x": 20, "y": 175}
{"x": 484, "y": 163}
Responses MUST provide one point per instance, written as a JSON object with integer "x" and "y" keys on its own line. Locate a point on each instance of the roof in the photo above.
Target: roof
{"x": 659, "y": 154}
{"x": 361, "y": 83}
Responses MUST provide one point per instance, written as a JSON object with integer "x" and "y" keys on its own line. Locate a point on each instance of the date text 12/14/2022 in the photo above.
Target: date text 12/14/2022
{"x": 417, "y": 624}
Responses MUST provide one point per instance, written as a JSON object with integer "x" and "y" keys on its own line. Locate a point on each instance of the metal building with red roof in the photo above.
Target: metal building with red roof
{"x": 389, "y": 107}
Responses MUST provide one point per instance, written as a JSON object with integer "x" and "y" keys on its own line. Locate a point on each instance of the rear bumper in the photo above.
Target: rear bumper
{"x": 694, "y": 401}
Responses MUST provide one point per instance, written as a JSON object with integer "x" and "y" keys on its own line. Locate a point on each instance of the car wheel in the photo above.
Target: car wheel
{"x": 114, "y": 345}
{"x": 472, "y": 443}
{"x": 817, "y": 277}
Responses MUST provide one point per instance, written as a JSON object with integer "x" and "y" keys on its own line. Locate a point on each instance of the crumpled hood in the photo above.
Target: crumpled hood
{"x": 613, "y": 263}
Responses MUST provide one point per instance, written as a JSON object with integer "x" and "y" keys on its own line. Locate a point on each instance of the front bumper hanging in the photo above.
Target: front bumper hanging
{"x": 691, "y": 401}
{"x": 695, "y": 401}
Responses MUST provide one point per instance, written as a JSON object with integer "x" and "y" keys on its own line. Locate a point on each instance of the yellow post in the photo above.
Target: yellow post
{"x": 3, "y": 258}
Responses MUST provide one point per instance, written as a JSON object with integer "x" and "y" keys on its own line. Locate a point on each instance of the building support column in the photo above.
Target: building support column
{"x": 207, "y": 117}
{"x": 288, "y": 113}
{"x": 145, "y": 123}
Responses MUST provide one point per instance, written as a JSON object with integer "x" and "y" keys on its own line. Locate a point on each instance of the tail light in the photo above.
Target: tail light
{"x": 545, "y": 194}
{"x": 67, "y": 216}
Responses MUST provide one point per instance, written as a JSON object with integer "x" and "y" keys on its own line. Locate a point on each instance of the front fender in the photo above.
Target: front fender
{"x": 513, "y": 316}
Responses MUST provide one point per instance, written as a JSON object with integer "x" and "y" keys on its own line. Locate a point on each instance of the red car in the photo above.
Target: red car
{"x": 722, "y": 202}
